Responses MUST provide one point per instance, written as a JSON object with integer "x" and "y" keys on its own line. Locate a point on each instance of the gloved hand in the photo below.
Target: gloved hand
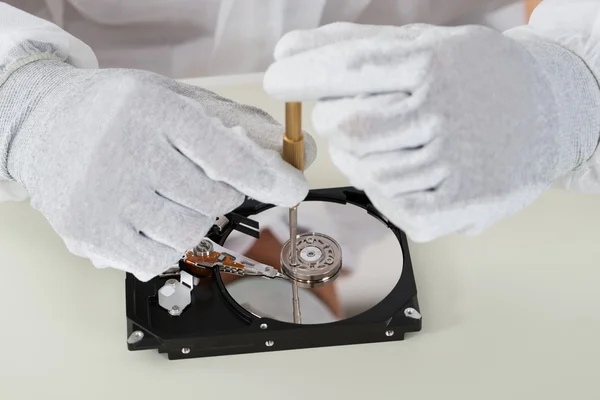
{"x": 446, "y": 129}
{"x": 131, "y": 168}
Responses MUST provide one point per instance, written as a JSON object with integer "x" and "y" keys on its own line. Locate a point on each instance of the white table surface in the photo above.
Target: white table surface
{"x": 511, "y": 314}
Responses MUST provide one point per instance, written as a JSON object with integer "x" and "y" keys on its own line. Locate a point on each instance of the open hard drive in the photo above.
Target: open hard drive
{"x": 232, "y": 293}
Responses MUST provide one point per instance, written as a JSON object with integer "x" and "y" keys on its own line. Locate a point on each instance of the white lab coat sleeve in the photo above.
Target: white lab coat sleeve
{"x": 574, "y": 24}
{"x": 25, "y": 38}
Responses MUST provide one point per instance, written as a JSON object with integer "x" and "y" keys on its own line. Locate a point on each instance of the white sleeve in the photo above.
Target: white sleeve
{"x": 574, "y": 24}
{"x": 25, "y": 38}
{"x": 400, "y": 12}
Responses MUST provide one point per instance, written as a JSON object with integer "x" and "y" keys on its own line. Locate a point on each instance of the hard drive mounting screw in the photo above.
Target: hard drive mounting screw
{"x": 412, "y": 313}
{"x": 264, "y": 326}
{"x": 269, "y": 343}
{"x": 389, "y": 333}
{"x": 174, "y": 311}
{"x": 186, "y": 350}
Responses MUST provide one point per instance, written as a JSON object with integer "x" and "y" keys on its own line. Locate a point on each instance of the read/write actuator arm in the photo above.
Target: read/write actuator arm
{"x": 204, "y": 260}
{"x": 209, "y": 255}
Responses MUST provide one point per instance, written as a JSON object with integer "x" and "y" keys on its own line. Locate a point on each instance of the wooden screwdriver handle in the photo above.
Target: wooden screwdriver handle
{"x": 293, "y": 141}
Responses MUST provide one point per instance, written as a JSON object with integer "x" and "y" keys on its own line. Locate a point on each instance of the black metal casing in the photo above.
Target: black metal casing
{"x": 214, "y": 324}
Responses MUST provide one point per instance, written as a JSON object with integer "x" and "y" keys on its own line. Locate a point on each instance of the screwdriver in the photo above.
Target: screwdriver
{"x": 293, "y": 154}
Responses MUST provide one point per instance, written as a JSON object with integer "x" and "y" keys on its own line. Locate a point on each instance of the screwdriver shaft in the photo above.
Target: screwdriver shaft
{"x": 294, "y": 234}
{"x": 296, "y": 305}
{"x": 294, "y": 262}
{"x": 293, "y": 153}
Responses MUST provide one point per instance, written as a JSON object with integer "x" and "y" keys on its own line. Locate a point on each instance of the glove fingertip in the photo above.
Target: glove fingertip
{"x": 419, "y": 237}
{"x": 288, "y": 44}
{"x": 291, "y": 198}
{"x": 298, "y": 41}
{"x": 310, "y": 150}
{"x": 288, "y": 190}
{"x": 274, "y": 82}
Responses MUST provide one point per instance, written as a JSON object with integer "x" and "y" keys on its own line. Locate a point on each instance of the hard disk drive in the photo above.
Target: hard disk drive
{"x": 232, "y": 293}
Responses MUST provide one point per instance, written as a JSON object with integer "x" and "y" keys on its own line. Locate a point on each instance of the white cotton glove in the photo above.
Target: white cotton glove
{"x": 131, "y": 168}
{"x": 446, "y": 129}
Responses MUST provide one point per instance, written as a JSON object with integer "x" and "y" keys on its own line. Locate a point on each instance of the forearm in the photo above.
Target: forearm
{"x": 438, "y": 12}
{"x": 24, "y": 39}
{"x": 574, "y": 25}
{"x": 463, "y": 11}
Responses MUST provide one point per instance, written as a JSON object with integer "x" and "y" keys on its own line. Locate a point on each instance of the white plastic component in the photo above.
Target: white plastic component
{"x": 174, "y": 296}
